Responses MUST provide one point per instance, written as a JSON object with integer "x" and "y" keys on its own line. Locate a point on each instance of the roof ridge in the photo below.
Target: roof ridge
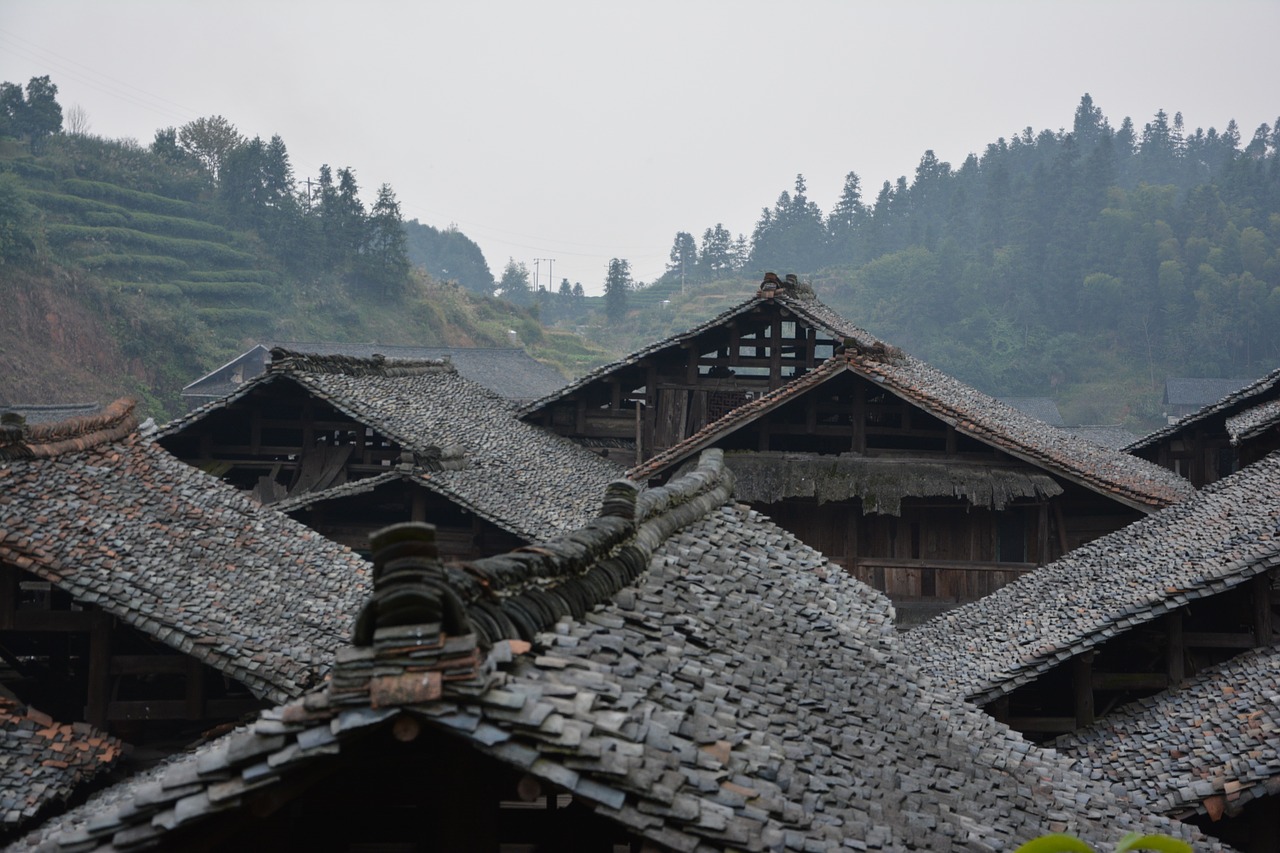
{"x": 19, "y": 440}
{"x": 454, "y": 611}
{"x": 291, "y": 361}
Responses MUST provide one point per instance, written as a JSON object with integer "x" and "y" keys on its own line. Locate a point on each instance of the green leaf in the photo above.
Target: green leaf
{"x": 1055, "y": 843}
{"x": 1160, "y": 843}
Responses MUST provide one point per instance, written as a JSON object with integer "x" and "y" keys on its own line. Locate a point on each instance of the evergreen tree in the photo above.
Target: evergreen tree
{"x": 617, "y": 284}
{"x": 717, "y": 257}
{"x": 683, "y": 259}
{"x": 384, "y": 259}
{"x": 514, "y": 284}
{"x": 844, "y": 224}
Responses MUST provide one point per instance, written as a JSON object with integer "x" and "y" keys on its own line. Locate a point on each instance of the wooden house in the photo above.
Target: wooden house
{"x": 678, "y": 674}
{"x": 1150, "y": 652}
{"x": 347, "y": 445}
{"x": 917, "y": 484}
{"x": 655, "y": 398}
{"x": 1206, "y": 751}
{"x": 509, "y": 372}
{"x": 147, "y": 599}
{"x": 1224, "y": 436}
{"x": 1123, "y": 617}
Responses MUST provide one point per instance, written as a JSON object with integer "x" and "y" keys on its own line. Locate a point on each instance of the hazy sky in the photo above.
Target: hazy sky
{"x": 581, "y": 131}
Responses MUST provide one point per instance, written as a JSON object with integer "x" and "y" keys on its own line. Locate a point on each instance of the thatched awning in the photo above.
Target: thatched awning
{"x": 882, "y": 483}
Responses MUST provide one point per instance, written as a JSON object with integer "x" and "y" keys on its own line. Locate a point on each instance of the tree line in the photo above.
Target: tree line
{"x": 1156, "y": 244}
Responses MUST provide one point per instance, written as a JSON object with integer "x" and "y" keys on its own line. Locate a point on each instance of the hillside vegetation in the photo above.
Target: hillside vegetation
{"x": 132, "y": 270}
{"x": 1085, "y": 264}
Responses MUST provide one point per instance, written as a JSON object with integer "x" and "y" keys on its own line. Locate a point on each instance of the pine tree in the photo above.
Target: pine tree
{"x": 617, "y": 284}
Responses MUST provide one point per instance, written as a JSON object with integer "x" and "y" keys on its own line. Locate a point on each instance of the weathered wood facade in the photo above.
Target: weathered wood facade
{"x": 666, "y": 393}
{"x": 349, "y": 445}
{"x": 1143, "y": 661}
{"x": 80, "y": 663}
{"x": 901, "y": 499}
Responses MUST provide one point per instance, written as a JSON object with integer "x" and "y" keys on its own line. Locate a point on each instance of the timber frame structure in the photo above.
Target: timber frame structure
{"x": 658, "y": 396}
{"x": 1123, "y": 617}
{"x": 917, "y": 484}
{"x": 1234, "y": 432}
{"x": 130, "y": 585}
{"x": 346, "y": 445}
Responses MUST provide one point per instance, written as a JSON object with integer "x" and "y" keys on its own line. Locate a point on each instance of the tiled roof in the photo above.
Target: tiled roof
{"x": 739, "y": 692}
{"x": 1040, "y": 408}
{"x": 121, "y": 524}
{"x": 1109, "y": 436}
{"x": 1254, "y": 421}
{"x": 43, "y": 763}
{"x": 1230, "y": 404}
{"x": 1183, "y": 391}
{"x": 48, "y": 413}
{"x": 1209, "y": 745}
{"x": 509, "y": 372}
{"x": 523, "y": 478}
{"x": 1225, "y": 534}
{"x": 1134, "y": 481}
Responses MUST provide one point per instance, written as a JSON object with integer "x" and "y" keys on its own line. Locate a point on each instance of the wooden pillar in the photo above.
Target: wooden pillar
{"x": 1174, "y": 666}
{"x": 1042, "y": 535}
{"x": 195, "y": 690}
{"x": 859, "y": 419}
{"x": 1260, "y": 589}
{"x": 775, "y": 353}
{"x": 1062, "y": 527}
{"x": 8, "y": 594}
{"x": 639, "y": 432}
{"x": 255, "y": 432}
{"x": 1082, "y": 685}
{"x": 99, "y": 690}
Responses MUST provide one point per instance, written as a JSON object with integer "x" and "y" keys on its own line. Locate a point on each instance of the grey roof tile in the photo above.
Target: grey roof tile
{"x": 807, "y": 737}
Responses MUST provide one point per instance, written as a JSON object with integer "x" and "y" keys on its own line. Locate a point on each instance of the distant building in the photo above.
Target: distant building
{"x": 1182, "y": 396}
{"x": 1222, "y": 436}
{"x": 509, "y": 372}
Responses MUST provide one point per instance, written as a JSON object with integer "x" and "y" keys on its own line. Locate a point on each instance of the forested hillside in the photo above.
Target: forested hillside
{"x": 1084, "y": 264}
{"x": 132, "y": 269}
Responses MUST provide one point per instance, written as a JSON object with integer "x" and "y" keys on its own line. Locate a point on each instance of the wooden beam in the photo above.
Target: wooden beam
{"x": 1260, "y": 589}
{"x": 1130, "y": 681}
{"x": 1208, "y": 640}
